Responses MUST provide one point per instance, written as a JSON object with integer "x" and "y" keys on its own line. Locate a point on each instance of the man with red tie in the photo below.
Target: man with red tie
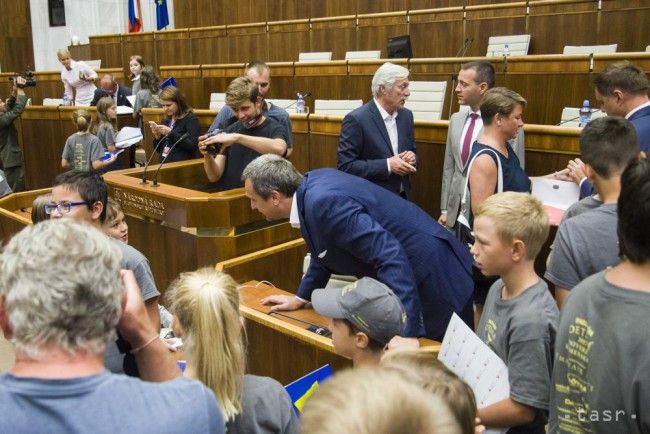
{"x": 474, "y": 79}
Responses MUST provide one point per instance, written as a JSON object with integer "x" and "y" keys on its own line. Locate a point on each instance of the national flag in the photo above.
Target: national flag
{"x": 135, "y": 16}
{"x": 162, "y": 17}
{"x": 300, "y": 390}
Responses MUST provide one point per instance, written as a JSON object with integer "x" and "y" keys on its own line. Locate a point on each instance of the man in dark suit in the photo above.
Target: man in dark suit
{"x": 109, "y": 87}
{"x": 377, "y": 141}
{"x": 621, "y": 90}
{"x": 354, "y": 227}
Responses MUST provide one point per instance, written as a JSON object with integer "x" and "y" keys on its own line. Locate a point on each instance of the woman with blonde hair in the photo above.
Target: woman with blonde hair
{"x": 83, "y": 150}
{"x": 205, "y": 304}
{"x": 78, "y": 79}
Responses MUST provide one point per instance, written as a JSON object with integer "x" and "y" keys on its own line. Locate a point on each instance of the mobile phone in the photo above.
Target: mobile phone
{"x": 320, "y": 330}
{"x": 213, "y": 149}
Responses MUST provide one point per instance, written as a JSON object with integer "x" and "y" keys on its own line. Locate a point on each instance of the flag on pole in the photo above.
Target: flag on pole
{"x": 135, "y": 16}
{"x": 300, "y": 390}
{"x": 162, "y": 17}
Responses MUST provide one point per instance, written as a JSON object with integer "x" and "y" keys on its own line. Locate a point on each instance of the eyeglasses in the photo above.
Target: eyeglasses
{"x": 63, "y": 207}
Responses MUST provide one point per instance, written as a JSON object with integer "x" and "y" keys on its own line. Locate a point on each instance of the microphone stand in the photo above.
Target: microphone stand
{"x": 155, "y": 176}
{"x": 146, "y": 166}
{"x": 295, "y": 101}
{"x": 454, "y": 77}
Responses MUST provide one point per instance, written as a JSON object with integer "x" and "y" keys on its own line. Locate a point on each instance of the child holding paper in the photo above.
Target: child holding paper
{"x": 83, "y": 150}
{"x": 520, "y": 317}
{"x": 106, "y": 116}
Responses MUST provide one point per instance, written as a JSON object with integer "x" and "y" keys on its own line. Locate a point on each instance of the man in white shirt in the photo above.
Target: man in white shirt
{"x": 377, "y": 140}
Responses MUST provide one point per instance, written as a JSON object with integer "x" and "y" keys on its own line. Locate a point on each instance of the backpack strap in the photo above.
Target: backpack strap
{"x": 469, "y": 168}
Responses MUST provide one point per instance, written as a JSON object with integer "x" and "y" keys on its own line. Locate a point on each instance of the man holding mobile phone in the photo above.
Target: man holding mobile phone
{"x": 227, "y": 153}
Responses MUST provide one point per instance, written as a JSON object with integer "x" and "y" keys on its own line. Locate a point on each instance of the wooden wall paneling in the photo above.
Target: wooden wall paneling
{"x": 414, "y": 5}
{"x": 549, "y": 83}
{"x": 81, "y": 52}
{"x": 379, "y": 6}
{"x": 245, "y": 11}
{"x": 324, "y": 134}
{"x": 216, "y": 78}
{"x": 337, "y": 35}
{"x": 16, "y": 48}
{"x": 325, "y": 80}
{"x": 173, "y": 47}
{"x": 287, "y": 39}
{"x": 481, "y": 22}
{"x": 360, "y": 73}
{"x": 374, "y": 30}
{"x": 199, "y": 13}
{"x": 247, "y": 42}
{"x": 549, "y": 148}
{"x": 426, "y": 183}
{"x": 625, "y": 23}
{"x": 42, "y": 145}
{"x": 642, "y": 60}
{"x": 564, "y": 18}
{"x": 108, "y": 48}
{"x": 279, "y": 10}
{"x": 332, "y": 8}
{"x": 437, "y": 32}
{"x": 300, "y": 136}
{"x": 142, "y": 44}
{"x": 209, "y": 45}
{"x": 48, "y": 85}
{"x": 189, "y": 80}
{"x": 282, "y": 80}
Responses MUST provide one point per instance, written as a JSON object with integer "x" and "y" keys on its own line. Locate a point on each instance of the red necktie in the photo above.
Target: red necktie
{"x": 467, "y": 143}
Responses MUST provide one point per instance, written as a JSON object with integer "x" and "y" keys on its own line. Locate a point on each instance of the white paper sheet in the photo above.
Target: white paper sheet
{"x": 131, "y": 99}
{"x": 124, "y": 109}
{"x": 128, "y": 136}
{"x": 559, "y": 194}
{"x": 465, "y": 354}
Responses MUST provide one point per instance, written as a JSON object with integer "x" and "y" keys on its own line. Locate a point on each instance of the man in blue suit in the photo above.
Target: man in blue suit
{"x": 621, "y": 90}
{"x": 377, "y": 140}
{"x": 353, "y": 227}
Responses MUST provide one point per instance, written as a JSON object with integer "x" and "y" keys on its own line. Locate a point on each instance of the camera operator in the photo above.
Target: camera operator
{"x": 10, "y": 153}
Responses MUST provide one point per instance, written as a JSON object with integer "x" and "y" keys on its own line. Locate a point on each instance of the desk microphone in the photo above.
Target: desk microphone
{"x": 575, "y": 118}
{"x": 155, "y": 176}
{"x": 146, "y": 166}
{"x": 304, "y": 96}
{"x": 461, "y": 52}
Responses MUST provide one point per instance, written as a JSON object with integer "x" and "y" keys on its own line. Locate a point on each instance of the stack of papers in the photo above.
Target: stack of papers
{"x": 128, "y": 136}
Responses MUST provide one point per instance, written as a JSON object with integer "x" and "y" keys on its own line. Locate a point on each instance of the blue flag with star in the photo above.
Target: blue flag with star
{"x": 162, "y": 17}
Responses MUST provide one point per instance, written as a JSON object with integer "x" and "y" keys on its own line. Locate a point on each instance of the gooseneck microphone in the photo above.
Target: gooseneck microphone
{"x": 304, "y": 96}
{"x": 461, "y": 52}
{"x": 171, "y": 148}
{"x": 146, "y": 166}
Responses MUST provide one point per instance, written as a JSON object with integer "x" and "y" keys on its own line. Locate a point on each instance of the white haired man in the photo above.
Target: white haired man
{"x": 377, "y": 140}
{"x": 62, "y": 295}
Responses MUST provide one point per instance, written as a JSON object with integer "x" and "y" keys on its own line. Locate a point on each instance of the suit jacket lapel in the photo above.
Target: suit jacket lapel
{"x": 381, "y": 126}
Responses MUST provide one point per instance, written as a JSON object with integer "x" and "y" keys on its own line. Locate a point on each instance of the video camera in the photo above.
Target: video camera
{"x": 28, "y": 75}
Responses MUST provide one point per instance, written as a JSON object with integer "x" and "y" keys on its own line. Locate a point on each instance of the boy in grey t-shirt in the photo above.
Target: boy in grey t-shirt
{"x": 600, "y": 379}
{"x": 520, "y": 316}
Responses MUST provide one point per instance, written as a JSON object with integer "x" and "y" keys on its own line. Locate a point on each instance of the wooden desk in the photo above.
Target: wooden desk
{"x": 280, "y": 346}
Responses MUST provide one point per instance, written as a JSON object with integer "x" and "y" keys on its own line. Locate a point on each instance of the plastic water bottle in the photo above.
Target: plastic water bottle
{"x": 506, "y": 50}
{"x": 300, "y": 104}
{"x": 585, "y": 113}
{"x": 66, "y": 101}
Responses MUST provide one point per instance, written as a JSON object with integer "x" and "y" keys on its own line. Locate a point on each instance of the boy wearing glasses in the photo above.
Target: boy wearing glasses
{"x": 83, "y": 195}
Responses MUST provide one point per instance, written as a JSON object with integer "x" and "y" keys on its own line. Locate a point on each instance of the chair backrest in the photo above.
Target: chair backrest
{"x": 571, "y": 116}
{"x": 589, "y": 49}
{"x": 94, "y": 64}
{"x": 359, "y": 55}
{"x": 53, "y": 101}
{"x": 288, "y": 104}
{"x": 517, "y": 45}
{"x": 337, "y": 107}
{"x": 217, "y": 100}
{"x": 426, "y": 100}
{"x": 315, "y": 56}
{"x": 647, "y": 48}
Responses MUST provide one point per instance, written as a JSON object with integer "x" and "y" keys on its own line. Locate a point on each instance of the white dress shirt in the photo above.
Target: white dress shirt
{"x": 391, "y": 127}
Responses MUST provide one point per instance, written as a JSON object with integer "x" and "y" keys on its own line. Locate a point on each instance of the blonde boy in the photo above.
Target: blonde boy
{"x": 520, "y": 317}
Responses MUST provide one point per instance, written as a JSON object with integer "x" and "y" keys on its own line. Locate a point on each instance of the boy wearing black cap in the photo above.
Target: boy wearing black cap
{"x": 365, "y": 316}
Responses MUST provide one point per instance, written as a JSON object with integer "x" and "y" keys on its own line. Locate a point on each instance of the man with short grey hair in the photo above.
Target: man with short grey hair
{"x": 62, "y": 294}
{"x": 354, "y": 227}
{"x": 377, "y": 140}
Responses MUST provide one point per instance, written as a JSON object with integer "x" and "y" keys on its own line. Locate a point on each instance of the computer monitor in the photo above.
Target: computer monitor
{"x": 399, "y": 47}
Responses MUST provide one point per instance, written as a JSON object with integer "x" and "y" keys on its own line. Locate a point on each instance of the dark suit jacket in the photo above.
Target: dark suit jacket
{"x": 641, "y": 122}
{"x": 364, "y": 145}
{"x": 353, "y": 227}
{"x": 122, "y": 93}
